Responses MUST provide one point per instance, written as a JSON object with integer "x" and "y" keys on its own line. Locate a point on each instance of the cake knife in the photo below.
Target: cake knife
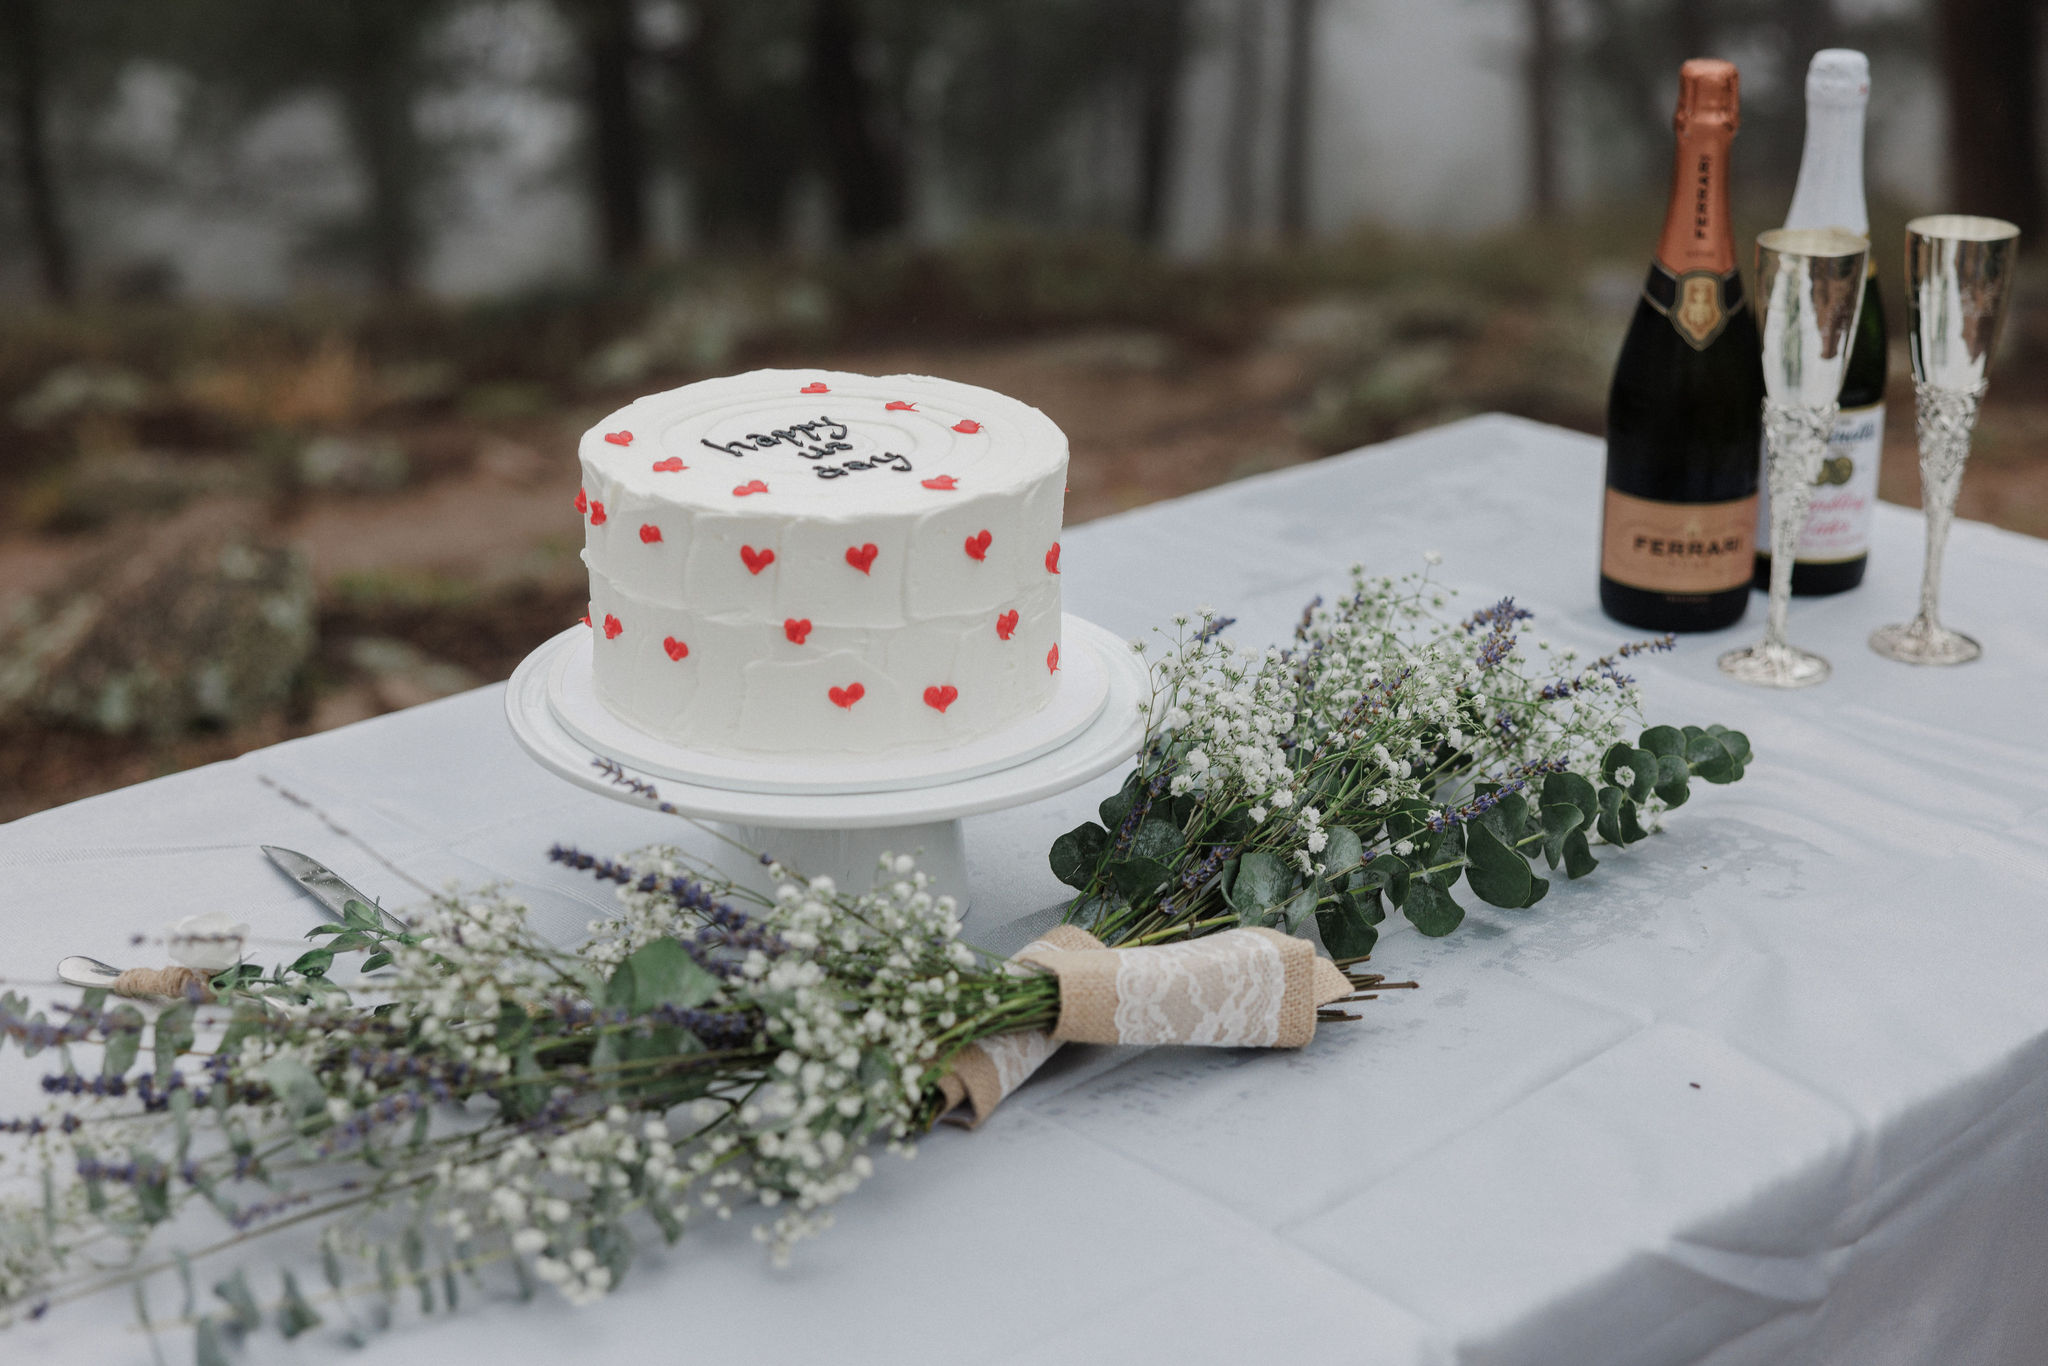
{"x": 326, "y": 886}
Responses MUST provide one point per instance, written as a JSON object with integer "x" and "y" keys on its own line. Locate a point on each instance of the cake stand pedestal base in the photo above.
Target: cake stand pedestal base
{"x": 831, "y": 832}
{"x": 849, "y": 857}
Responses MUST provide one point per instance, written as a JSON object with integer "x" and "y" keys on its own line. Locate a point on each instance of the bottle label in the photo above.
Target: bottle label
{"x": 1699, "y": 303}
{"x": 1678, "y": 547}
{"x": 1844, "y": 496}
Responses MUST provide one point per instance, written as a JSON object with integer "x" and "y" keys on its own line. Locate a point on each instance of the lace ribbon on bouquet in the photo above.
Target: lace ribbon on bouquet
{"x": 1249, "y": 988}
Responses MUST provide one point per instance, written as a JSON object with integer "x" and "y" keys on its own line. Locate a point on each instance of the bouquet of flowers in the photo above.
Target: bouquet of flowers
{"x": 1388, "y": 752}
{"x": 480, "y": 1103}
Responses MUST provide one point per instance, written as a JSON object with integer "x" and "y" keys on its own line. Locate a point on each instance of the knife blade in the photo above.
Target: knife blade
{"x": 325, "y": 885}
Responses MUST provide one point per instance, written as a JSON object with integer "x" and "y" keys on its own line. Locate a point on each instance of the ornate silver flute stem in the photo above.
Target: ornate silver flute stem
{"x": 1798, "y": 443}
{"x": 1946, "y": 419}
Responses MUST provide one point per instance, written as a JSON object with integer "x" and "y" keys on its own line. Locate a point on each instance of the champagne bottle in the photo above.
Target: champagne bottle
{"x": 1834, "y": 547}
{"x": 1685, "y": 412}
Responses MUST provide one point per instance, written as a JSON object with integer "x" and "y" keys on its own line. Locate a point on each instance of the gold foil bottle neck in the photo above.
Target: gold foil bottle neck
{"x": 1709, "y": 92}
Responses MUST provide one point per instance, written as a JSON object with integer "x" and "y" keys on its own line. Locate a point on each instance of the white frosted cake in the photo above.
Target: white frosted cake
{"x": 803, "y": 562}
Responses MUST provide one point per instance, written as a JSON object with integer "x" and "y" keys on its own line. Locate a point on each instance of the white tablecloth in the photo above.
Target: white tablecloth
{"x": 1770, "y": 1088}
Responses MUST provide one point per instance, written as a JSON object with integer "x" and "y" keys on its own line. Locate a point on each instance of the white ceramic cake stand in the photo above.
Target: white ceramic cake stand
{"x": 1091, "y": 725}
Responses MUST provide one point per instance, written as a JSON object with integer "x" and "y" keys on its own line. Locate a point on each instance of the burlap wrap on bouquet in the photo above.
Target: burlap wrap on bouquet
{"x": 1251, "y": 988}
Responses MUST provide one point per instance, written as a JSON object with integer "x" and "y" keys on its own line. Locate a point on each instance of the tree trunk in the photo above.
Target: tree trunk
{"x": 863, "y": 163}
{"x": 377, "y": 104}
{"x": 1296, "y": 108}
{"x": 1989, "y": 62}
{"x": 1540, "y": 89}
{"x": 618, "y": 146}
{"x": 1162, "y": 43}
{"x": 22, "y": 38}
{"x": 1247, "y": 94}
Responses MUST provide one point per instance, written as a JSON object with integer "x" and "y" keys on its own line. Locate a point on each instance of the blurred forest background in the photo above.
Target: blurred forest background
{"x": 302, "y": 305}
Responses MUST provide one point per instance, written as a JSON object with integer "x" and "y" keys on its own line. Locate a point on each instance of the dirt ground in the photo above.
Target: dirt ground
{"x": 474, "y": 561}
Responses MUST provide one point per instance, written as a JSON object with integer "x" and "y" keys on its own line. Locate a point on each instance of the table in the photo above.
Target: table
{"x": 1770, "y": 1088}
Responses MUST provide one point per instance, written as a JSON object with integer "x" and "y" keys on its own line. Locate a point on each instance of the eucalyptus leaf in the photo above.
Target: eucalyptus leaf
{"x": 1075, "y": 854}
{"x": 207, "y": 1348}
{"x": 1571, "y": 789}
{"x": 1157, "y": 840}
{"x": 1713, "y": 757}
{"x": 1262, "y": 881}
{"x": 1561, "y": 820}
{"x": 1619, "y": 755}
{"x": 1431, "y": 910}
{"x": 1344, "y": 852}
{"x": 1509, "y": 819}
{"x": 664, "y": 974}
{"x": 1137, "y": 876}
{"x": 1387, "y": 873}
{"x": 1346, "y": 930}
{"x": 124, "y": 1040}
{"x": 295, "y": 1084}
{"x": 1736, "y": 743}
{"x": 1445, "y": 856}
{"x": 1609, "y": 824}
{"x": 1644, "y": 768}
{"x": 1663, "y": 740}
{"x": 1295, "y": 915}
{"x": 294, "y": 1314}
{"x": 174, "y": 1035}
{"x": 241, "y": 1304}
{"x": 1118, "y": 806}
{"x": 1673, "y": 780}
{"x": 1496, "y": 874}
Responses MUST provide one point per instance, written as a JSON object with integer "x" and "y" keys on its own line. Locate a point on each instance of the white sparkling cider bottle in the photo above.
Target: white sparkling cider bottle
{"x": 1834, "y": 546}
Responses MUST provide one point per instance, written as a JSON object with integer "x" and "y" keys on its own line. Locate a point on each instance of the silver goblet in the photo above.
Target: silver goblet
{"x": 1958, "y": 273}
{"x": 1809, "y": 291}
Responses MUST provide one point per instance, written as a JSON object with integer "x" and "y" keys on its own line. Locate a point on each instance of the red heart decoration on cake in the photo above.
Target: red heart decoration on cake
{"x": 897, "y": 405}
{"x": 1052, "y": 559}
{"x": 751, "y": 486}
{"x": 611, "y": 627}
{"x": 1006, "y": 623}
{"x": 967, "y": 425}
{"x": 670, "y": 465}
{"x": 944, "y": 483}
{"x": 650, "y": 533}
{"x": 757, "y": 560}
{"x": 582, "y": 501}
{"x": 596, "y": 513}
{"x": 619, "y": 438}
{"x": 861, "y": 556}
{"x": 977, "y": 544}
{"x": 585, "y": 618}
{"x": 938, "y": 699}
{"x": 1052, "y": 660}
{"x": 846, "y": 696}
{"x": 797, "y": 629}
{"x": 676, "y": 649}
{"x": 814, "y": 387}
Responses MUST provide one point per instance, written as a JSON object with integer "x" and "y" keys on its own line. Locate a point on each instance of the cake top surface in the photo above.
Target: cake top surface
{"x": 824, "y": 443}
